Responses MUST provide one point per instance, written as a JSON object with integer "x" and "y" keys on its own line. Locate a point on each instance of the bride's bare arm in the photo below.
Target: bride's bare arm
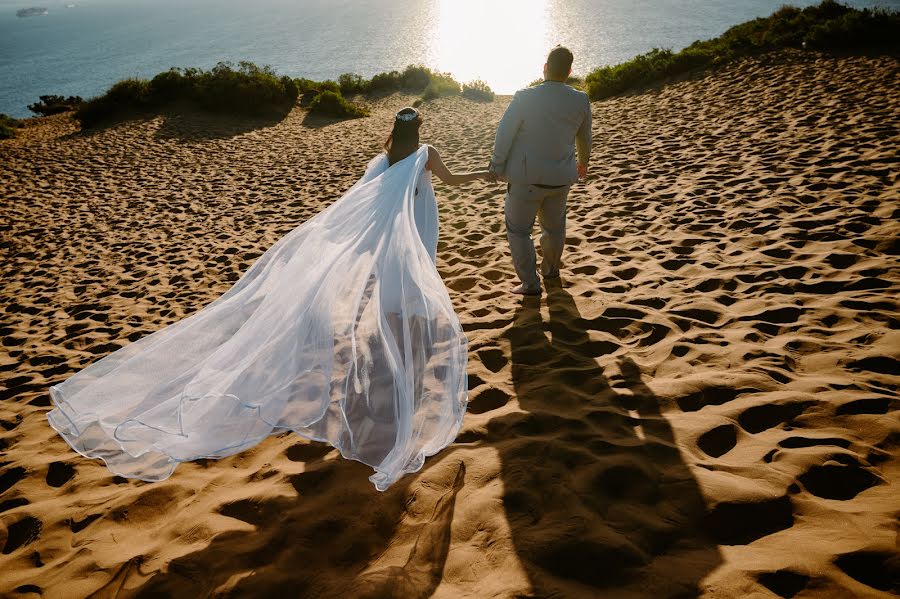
{"x": 443, "y": 173}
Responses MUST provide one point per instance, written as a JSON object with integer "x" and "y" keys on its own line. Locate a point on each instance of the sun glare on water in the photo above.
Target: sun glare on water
{"x": 502, "y": 42}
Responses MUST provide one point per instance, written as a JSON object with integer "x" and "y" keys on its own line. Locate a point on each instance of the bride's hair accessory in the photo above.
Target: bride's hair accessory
{"x": 407, "y": 114}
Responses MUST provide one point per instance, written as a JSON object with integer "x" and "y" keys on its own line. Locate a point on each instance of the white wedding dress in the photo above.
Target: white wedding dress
{"x": 342, "y": 331}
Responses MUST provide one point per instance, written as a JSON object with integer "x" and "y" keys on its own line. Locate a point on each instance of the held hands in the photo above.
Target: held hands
{"x": 489, "y": 177}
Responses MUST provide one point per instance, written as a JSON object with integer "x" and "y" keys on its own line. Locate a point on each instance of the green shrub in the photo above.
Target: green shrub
{"x": 417, "y": 77}
{"x": 382, "y": 82}
{"x": 859, "y": 30}
{"x": 129, "y": 91}
{"x": 329, "y": 86}
{"x": 8, "y": 126}
{"x": 478, "y": 91}
{"x": 97, "y": 110}
{"x": 351, "y": 83}
{"x": 291, "y": 91}
{"x": 826, "y": 26}
{"x": 246, "y": 90}
{"x": 333, "y": 104}
{"x": 55, "y": 104}
{"x": 309, "y": 89}
{"x": 414, "y": 78}
{"x": 644, "y": 68}
{"x": 306, "y": 85}
{"x": 441, "y": 85}
{"x": 174, "y": 84}
{"x": 576, "y": 82}
{"x": 124, "y": 96}
{"x": 249, "y": 90}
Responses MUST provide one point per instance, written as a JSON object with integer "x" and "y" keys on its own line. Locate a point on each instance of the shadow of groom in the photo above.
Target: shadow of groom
{"x": 596, "y": 493}
{"x": 597, "y": 497}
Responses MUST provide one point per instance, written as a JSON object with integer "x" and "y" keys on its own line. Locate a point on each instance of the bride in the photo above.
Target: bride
{"x": 342, "y": 332}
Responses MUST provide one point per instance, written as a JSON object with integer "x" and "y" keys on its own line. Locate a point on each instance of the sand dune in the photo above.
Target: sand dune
{"x": 707, "y": 405}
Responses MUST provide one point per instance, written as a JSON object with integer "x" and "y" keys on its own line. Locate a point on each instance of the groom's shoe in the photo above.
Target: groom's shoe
{"x": 523, "y": 290}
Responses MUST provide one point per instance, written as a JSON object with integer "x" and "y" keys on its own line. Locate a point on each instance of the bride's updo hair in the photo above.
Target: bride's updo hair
{"x": 404, "y": 138}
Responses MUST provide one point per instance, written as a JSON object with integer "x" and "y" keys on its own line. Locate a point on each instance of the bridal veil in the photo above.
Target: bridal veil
{"x": 342, "y": 332}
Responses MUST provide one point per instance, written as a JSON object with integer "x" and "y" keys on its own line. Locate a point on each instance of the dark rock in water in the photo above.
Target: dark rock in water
{"x": 31, "y": 12}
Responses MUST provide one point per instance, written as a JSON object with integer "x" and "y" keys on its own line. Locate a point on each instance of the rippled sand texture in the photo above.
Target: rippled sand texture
{"x": 706, "y": 405}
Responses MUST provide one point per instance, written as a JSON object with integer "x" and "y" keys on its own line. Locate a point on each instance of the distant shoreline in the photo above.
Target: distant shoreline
{"x": 828, "y": 27}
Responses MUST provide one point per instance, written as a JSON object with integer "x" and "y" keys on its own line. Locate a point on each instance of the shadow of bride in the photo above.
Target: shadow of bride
{"x": 324, "y": 543}
{"x": 598, "y": 499}
{"x": 597, "y": 496}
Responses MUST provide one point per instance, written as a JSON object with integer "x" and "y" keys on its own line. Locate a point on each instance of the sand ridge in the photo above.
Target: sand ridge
{"x": 706, "y": 405}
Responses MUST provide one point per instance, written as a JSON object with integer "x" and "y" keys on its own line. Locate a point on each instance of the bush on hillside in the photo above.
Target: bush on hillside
{"x": 351, "y": 83}
{"x": 386, "y": 82}
{"x": 333, "y": 104}
{"x": 55, "y": 104}
{"x": 174, "y": 84}
{"x": 248, "y": 90}
{"x": 441, "y": 85}
{"x": 873, "y": 30}
{"x": 128, "y": 95}
{"x": 414, "y": 78}
{"x": 8, "y": 126}
{"x": 479, "y": 91}
{"x": 418, "y": 77}
{"x": 306, "y": 85}
{"x": 329, "y": 86}
{"x": 826, "y": 26}
{"x": 133, "y": 91}
{"x": 653, "y": 66}
{"x": 576, "y": 82}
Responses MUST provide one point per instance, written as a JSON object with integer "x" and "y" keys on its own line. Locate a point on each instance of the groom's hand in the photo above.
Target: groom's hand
{"x": 493, "y": 176}
{"x": 582, "y": 170}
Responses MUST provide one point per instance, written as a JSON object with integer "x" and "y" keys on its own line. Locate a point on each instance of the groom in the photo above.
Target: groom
{"x": 534, "y": 152}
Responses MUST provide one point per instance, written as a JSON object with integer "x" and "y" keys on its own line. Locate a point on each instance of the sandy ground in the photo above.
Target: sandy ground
{"x": 707, "y": 405}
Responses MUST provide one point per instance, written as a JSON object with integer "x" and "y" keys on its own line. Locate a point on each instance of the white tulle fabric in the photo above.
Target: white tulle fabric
{"x": 342, "y": 332}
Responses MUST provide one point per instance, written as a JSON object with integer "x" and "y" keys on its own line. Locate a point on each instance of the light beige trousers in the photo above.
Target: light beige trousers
{"x": 523, "y": 204}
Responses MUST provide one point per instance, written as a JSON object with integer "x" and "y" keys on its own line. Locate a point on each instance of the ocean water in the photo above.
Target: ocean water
{"x": 81, "y": 47}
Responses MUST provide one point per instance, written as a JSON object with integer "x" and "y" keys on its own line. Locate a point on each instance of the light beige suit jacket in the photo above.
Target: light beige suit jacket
{"x": 537, "y": 135}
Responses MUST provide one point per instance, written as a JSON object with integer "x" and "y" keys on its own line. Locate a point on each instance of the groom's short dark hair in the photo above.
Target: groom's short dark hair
{"x": 559, "y": 62}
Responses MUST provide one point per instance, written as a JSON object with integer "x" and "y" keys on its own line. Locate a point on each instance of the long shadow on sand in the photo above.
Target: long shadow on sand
{"x": 597, "y": 496}
{"x": 319, "y": 544}
{"x": 186, "y": 124}
{"x": 318, "y": 121}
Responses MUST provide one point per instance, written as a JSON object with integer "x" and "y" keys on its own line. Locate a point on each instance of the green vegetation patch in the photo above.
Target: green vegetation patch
{"x": 330, "y": 103}
{"x": 8, "y": 126}
{"x": 576, "y": 82}
{"x": 48, "y": 105}
{"x": 441, "y": 85}
{"x": 248, "y": 90}
{"x": 828, "y": 26}
{"x": 478, "y": 91}
{"x": 415, "y": 79}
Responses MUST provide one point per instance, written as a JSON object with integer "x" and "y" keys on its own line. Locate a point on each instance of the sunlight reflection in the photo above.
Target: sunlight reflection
{"x": 503, "y": 42}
